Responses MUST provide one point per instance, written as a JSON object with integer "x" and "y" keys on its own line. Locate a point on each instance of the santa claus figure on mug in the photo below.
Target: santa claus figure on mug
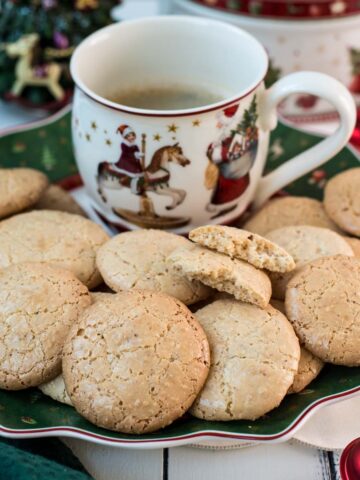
{"x": 233, "y": 153}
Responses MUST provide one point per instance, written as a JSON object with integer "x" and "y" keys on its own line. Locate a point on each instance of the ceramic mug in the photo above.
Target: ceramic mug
{"x": 177, "y": 169}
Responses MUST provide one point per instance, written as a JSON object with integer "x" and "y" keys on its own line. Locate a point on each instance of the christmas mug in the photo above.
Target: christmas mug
{"x": 177, "y": 169}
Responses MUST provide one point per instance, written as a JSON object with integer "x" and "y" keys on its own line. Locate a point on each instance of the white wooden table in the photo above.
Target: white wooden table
{"x": 287, "y": 461}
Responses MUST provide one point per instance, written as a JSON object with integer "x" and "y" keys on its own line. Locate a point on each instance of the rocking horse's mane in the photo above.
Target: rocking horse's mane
{"x": 155, "y": 163}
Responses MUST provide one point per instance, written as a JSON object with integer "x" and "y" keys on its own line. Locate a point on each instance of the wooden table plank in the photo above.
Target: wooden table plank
{"x": 112, "y": 463}
{"x": 273, "y": 462}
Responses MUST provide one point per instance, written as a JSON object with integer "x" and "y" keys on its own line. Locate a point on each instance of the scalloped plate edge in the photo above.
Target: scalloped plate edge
{"x": 191, "y": 438}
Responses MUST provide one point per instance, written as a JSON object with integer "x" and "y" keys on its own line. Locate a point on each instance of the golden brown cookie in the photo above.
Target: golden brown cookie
{"x": 38, "y": 305}
{"x": 354, "y": 244}
{"x": 254, "y": 358}
{"x": 304, "y": 243}
{"x": 58, "y": 238}
{"x": 243, "y": 245}
{"x": 309, "y": 365}
{"x": 309, "y": 368}
{"x": 56, "y": 198}
{"x": 286, "y": 211}
{"x": 138, "y": 260}
{"x": 135, "y": 362}
{"x": 323, "y": 304}
{"x": 240, "y": 279}
{"x": 20, "y": 188}
{"x": 342, "y": 200}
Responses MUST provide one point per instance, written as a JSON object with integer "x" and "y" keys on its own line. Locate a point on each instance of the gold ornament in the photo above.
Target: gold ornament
{"x": 26, "y": 75}
{"x": 86, "y": 4}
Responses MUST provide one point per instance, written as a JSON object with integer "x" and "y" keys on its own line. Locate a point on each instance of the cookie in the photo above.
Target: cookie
{"x": 244, "y": 245}
{"x": 138, "y": 260}
{"x": 58, "y": 238}
{"x": 354, "y": 244}
{"x": 304, "y": 243}
{"x": 240, "y": 279}
{"x": 254, "y": 358}
{"x": 56, "y": 390}
{"x": 56, "y": 387}
{"x": 20, "y": 188}
{"x": 38, "y": 305}
{"x": 323, "y": 304}
{"x": 286, "y": 211}
{"x": 309, "y": 365}
{"x": 135, "y": 362}
{"x": 342, "y": 200}
{"x": 309, "y": 368}
{"x": 97, "y": 296}
{"x": 56, "y": 198}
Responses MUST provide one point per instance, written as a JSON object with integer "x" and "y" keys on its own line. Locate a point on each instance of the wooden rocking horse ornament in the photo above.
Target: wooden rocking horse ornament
{"x": 47, "y": 75}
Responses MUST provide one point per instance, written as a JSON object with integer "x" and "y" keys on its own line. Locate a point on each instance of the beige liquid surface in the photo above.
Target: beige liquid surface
{"x": 167, "y": 98}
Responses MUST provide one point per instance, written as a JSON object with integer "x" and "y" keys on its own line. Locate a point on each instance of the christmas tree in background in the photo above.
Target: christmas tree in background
{"x": 60, "y": 25}
{"x": 48, "y": 160}
{"x": 273, "y": 74}
{"x": 355, "y": 64}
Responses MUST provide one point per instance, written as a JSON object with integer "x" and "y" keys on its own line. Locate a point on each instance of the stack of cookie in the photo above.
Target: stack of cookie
{"x": 132, "y": 361}
{"x": 272, "y": 304}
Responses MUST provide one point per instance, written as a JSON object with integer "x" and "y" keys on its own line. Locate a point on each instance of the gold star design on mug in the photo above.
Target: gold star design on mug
{"x": 172, "y": 128}
{"x": 196, "y": 123}
{"x": 108, "y": 142}
{"x": 157, "y": 137}
{"x": 93, "y": 125}
{"x": 87, "y": 136}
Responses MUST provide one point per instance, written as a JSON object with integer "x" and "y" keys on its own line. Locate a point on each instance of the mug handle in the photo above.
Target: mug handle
{"x": 322, "y": 86}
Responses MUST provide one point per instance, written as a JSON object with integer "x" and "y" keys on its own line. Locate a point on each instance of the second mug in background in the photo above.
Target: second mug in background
{"x": 321, "y": 35}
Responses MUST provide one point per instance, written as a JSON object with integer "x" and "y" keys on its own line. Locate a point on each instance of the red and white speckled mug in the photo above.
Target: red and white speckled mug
{"x": 176, "y": 169}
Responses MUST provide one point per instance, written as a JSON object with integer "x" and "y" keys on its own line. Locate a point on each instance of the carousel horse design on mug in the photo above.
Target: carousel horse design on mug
{"x": 231, "y": 157}
{"x": 130, "y": 171}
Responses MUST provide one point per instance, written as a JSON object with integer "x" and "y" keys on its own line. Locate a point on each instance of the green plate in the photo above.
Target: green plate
{"x": 47, "y": 145}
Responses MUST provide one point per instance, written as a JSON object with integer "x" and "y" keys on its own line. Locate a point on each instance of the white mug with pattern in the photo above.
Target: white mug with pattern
{"x": 177, "y": 169}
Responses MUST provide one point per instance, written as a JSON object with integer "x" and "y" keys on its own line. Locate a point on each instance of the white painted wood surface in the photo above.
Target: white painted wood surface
{"x": 288, "y": 461}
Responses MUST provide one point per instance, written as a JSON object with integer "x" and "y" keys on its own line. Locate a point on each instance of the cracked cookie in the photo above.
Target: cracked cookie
{"x": 286, "y": 211}
{"x": 236, "y": 277}
{"x": 243, "y": 245}
{"x": 56, "y": 198}
{"x": 342, "y": 200}
{"x": 305, "y": 243}
{"x": 323, "y": 304}
{"x": 38, "y": 305}
{"x": 56, "y": 387}
{"x": 138, "y": 260}
{"x": 309, "y": 365}
{"x": 254, "y": 358}
{"x": 58, "y": 238}
{"x": 20, "y": 188}
{"x": 135, "y": 361}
